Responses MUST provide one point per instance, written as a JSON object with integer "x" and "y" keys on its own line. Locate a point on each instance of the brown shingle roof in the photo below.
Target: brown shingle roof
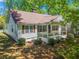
{"x": 35, "y": 18}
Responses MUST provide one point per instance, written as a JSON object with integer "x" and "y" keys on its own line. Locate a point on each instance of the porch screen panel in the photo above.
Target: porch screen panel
{"x": 27, "y": 29}
{"x": 42, "y": 28}
{"x": 63, "y": 29}
{"x": 55, "y": 29}
{"x": 32, "y": 28}
{"x": 22, "y": 28}
{"x": 39, "y": 28}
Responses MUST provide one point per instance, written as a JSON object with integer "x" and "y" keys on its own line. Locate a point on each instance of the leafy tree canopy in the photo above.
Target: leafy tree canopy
{"x": 2, "y": 21}
{"x": 69, "y": 9}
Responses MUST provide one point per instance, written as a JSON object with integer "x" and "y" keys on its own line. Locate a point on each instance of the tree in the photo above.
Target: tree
{"x": 2, "y": 22}
{"x": 55, "y": 7}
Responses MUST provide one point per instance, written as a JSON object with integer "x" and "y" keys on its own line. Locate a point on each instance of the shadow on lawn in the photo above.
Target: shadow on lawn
{"x": 5, "y": 42}
{"x": 12, "y": 51}
{"x": 7, "y": 57}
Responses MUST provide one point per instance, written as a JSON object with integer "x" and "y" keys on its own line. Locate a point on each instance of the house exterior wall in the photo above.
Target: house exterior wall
{"x": 12, "y": 29}
{"x": 43, "y": 35}
{"x": 61, "y": 31}
{"x": 29, "y": 35}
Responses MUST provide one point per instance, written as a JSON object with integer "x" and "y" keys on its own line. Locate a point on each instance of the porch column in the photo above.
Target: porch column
{"x": 51, "y": 29}
{"x": 47, "y": 31}
{"x": 36, "y": 30}
{"x": 59, "y": 30}
{"x": 66, "y": 29}
{"x": 29, "y": 29}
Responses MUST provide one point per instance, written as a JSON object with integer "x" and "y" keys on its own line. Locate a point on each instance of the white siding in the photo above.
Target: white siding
{"x": 27, "y": 35}
{"x": 11, "y": 25}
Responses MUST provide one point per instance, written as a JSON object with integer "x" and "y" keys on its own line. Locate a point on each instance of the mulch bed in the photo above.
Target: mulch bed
{"x": 39, "y": 52}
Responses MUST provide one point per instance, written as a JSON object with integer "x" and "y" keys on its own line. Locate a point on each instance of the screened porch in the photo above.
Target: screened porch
{"x": 41, "y": 30}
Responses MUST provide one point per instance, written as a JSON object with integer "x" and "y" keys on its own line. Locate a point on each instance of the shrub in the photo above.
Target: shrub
{"x": 58, "y": 57}
{"x": 21, "y": 41}
{"x": 70, "y": 36}
{"x": 59, "y": 39}
{"x": 51, "y": 41}
{"x": 4, "y": 38}
{"x": 77, "y": 55}
{"x": 5, "y": 41}
{"x": 2, "y": 22}
{"x": 38, "y": 41}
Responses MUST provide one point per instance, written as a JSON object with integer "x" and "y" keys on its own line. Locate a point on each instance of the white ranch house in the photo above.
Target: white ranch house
{"x": 30, "y": 25}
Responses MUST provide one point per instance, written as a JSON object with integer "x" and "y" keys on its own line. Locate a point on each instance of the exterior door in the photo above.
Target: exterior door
{"x": 49, "y": 28}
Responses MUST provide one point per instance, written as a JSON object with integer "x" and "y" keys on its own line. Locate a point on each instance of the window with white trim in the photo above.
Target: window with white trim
{"x": 55, "y": 27}
{"x": 23, "y": 28}
{"x": 32, "y": 28}
{"x": 42, "y": 28}
{"x": 27, "y": 28}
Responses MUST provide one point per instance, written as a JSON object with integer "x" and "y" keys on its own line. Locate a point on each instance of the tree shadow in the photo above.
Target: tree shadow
{"x": 7, "y": 57}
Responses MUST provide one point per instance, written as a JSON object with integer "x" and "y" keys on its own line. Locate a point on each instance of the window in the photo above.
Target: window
{"x": 32, "y": 28}
{"x": 55, "y": 28}
{"x": 39, "y": 28}
{"x": 23, "y": 28}
{"x": 27, "y": 29}
{"x": 12, "y": 29}
{"x": 42, "y": 28}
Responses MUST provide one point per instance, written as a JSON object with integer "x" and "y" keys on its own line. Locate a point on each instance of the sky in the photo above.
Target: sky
{"x": 70, "y": 2}
{"x": 2, "y": 7}
{"x": 1, "y": 0}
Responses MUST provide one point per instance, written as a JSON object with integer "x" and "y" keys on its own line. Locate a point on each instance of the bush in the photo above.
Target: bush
{"x": 77, "y": 55}
{"x": 58, "y": 57}
{"x": 21, "y": 41}
{"x": 70, "y": 36}
{"x": 4, "y": 38}
{"x": 51, "y": 41}
{"x": 38, "y": 41}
